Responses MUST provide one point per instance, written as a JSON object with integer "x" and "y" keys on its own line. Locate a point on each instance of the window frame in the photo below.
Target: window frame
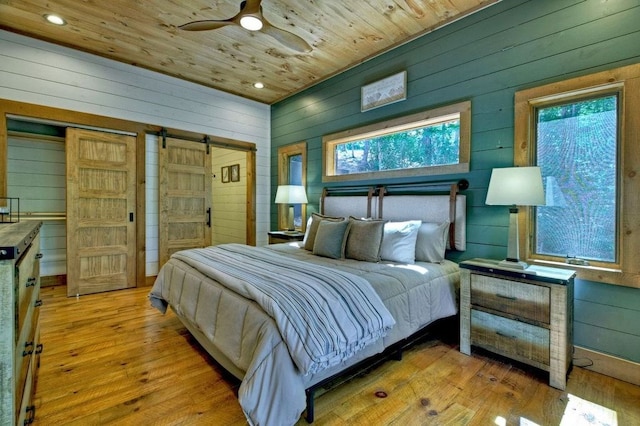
{"x": 398, "y": 124}
{"x": 625, "y": 82}
{"x": 284, "y": 154}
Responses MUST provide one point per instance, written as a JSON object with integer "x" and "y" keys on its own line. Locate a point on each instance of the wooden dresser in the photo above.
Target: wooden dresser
{"x": 20, "y": 347}
{"x": 524, "y": 315}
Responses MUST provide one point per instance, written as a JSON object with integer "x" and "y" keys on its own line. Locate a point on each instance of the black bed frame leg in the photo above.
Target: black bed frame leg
{"x": 398, "y": 355}
{"x": 309, "y": 416}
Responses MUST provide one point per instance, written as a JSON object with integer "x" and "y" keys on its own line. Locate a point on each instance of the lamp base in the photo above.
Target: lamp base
{"x": 291, "y": 227}
{"x": 513, "y": 248}
{"x": 513, "y": 264}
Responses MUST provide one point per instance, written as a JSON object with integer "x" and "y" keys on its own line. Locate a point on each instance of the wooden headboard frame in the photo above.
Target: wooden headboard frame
{"x": 405, "y": 201}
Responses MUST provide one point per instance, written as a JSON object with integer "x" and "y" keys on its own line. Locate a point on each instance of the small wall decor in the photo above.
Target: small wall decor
{"x": 383, "y": 92}
{"x": 225, "y": 174}
{"x": 235, "y": 173}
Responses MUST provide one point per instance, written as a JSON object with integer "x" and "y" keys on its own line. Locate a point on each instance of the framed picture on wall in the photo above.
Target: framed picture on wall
{"x": 225, "y": 174}
{"x": 383, "y": 92}
{"x": 235, "y": 173}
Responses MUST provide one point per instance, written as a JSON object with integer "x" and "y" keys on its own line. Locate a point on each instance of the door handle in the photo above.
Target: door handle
{"x": 209, "y": 217}
{"x": 130, "y": 216}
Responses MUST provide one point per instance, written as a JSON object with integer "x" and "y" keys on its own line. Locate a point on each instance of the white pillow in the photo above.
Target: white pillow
{"x": 432, "y": 242}
{"x": 399, "y": 241}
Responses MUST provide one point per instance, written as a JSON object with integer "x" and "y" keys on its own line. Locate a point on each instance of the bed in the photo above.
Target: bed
{"x": 287, "y": 318}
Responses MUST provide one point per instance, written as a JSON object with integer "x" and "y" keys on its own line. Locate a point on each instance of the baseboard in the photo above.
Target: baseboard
{"x": 608, "y": 365}
{"x": 53, "y": 280}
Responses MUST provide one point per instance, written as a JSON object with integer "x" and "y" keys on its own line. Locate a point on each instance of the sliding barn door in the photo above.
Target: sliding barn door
{"x": 185, "y": 196}
{"x": 101, "y": 201}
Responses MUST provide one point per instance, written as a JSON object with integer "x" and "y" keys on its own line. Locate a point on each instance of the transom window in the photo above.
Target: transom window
{"x": 431, "y": 142}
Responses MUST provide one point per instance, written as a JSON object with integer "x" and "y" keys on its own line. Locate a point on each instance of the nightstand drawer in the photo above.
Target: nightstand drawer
{"x": 527, "y": 301}
{"x": 279, "y": 237}
{"x": 511, "y": 338}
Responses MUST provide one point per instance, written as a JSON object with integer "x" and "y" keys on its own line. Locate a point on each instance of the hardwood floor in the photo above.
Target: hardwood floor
{"x": 112, "y": 359}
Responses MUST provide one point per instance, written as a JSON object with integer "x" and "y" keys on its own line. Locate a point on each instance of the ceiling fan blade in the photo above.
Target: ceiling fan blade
{"x": 288, "y": 39}
{"x": 251, "y": 7}
{"x": 206, "y": 25}
{"x": 212, "y": 24}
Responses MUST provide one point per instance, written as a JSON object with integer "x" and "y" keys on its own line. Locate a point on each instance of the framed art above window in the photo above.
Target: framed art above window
{"x": 384, "y": 92}
{"x": 432, "y": 142}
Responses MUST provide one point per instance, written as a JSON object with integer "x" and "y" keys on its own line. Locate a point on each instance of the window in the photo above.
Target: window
{"x": 576, "y": 149}
{"x": 292, "y": 170}
{"x": 581, "y": 133}
{"x": 427, "y": 143}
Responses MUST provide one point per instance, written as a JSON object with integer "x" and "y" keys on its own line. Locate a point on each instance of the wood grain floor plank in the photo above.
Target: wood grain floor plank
{"x": 112, "y": 359}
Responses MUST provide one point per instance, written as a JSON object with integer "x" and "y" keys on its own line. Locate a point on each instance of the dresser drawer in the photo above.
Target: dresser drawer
{"x": 26, "y": 410}
{"x": 28, "y": 345}
{"x": 28, "y": 270}
{"x": 511, "y": 338}
{"x": 527, "y": 301}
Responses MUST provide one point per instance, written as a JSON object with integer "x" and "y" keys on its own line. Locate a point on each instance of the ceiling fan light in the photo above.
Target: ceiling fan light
{"x": 251, "y": 23}
{"x": 55, "y": 19}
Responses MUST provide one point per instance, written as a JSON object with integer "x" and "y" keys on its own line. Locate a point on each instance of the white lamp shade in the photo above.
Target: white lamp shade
{"x": 291, "y": 194}
{"x": 520, "y": 186}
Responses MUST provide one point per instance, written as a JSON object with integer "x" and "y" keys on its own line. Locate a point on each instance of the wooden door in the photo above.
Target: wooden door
{"x": 185, "y": 196}
{"x": 101, "y": 201}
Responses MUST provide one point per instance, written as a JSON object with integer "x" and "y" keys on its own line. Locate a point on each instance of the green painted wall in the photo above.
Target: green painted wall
{"x": 486, "y": 58}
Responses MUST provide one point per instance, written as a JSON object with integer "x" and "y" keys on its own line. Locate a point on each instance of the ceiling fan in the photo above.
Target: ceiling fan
{"x": 251, "y": 18}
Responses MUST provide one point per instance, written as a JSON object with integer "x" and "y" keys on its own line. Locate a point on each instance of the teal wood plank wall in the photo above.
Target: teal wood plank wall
{"x": 485, "y": 58}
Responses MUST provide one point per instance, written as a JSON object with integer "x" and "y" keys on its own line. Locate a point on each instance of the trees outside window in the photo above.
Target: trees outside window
{"x": 576, "y": 149}
{"x": 583, "y": 133}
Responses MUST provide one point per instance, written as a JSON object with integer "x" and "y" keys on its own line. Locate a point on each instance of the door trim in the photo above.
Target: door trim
{"x": 27, "y": 111}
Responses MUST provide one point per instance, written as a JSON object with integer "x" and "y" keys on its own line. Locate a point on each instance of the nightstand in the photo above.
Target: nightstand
{"x": 525, "y": 315}
{"x": 277, "y": 237}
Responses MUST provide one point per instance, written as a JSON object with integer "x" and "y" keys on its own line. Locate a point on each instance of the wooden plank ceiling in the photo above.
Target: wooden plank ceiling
{"x": 145, "y": 33}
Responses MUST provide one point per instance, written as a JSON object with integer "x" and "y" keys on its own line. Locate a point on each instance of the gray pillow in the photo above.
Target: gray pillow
{"x": 363, "y": 241}
{"x": 312, "y": 228}
{"x": 432, "y": 242}
{"x": 331, "y": 238}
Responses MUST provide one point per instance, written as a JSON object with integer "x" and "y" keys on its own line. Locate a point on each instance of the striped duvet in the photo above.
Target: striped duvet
{"x": 324, "y": 315}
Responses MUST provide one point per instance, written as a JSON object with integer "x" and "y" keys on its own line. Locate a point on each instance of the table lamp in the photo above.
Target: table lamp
{"x": 515, "y": 186}
{"x": 291, "y": 194}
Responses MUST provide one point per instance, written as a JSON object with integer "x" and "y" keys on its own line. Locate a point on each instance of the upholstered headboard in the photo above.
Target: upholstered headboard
{"x": 392, "y": 202}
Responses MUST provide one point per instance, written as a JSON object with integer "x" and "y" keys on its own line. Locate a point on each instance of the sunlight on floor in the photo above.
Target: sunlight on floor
{"x": 501, "y": 421}
{"x": 579, "y": 412}
{"x": 582, "y": 412}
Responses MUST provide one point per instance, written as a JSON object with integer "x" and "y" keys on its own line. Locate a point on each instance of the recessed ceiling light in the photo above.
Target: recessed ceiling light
{"x": 55, "y": 19}
{"x": 258, "y": 85}
{"x": 251, "y": 23}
